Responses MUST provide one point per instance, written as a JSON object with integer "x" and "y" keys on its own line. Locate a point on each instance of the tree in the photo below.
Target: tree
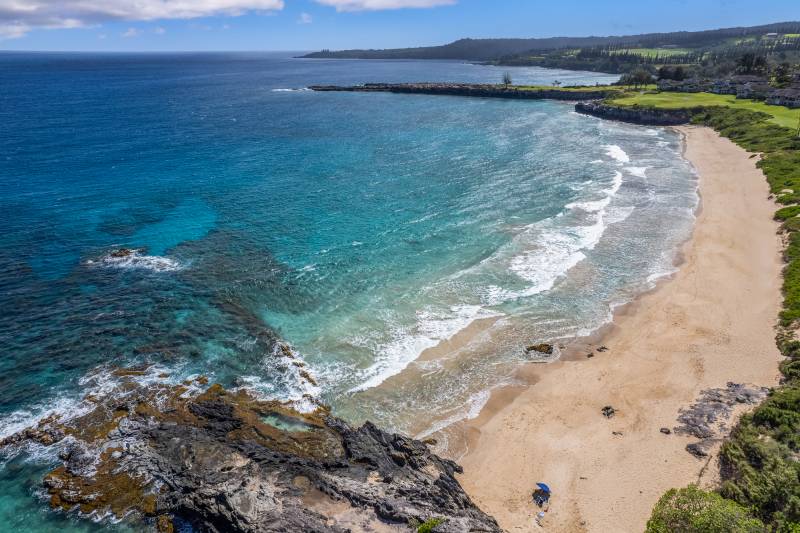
{"x": 750, "y": 63}
{"x": 637, "y": 78}
{"x": 679, "y": 73}
{"x": 556, "y": 83}
{"x": 507, "y": 79}
{"x": 783, "y": 75}
{"x": 693, "y": 510}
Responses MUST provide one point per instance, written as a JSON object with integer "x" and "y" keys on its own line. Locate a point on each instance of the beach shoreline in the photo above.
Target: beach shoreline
{"x": 710, "y": 323}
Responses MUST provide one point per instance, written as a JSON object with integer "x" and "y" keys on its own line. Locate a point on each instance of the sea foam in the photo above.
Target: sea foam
{"x": 407, "y": 344}
{"x": 617, "y": 153}
{"x": 137, "y": 259}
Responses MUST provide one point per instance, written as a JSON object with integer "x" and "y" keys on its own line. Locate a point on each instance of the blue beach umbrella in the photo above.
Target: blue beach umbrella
{"x": 544, "y": 487}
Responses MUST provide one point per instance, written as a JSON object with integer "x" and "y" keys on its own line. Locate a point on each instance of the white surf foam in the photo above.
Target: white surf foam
{"x": 617, "y": 153}
{"x": 291, "y": 385}
{"x": 558, "y": 248}
{"x": 99, "y": 383}
{"x": 639, "y": 172}
{"x": 136, "y": 259}
{"x": 472, "y": 408}
{"x": 407, "y": 344}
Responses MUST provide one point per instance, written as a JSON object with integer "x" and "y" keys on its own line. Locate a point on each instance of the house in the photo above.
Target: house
{"x": 731, "y": 85}
{"x": 756, "y": 90}
{"x": 786, "y": 97}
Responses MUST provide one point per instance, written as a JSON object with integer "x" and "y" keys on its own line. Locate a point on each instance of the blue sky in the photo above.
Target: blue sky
{"x": 165, "y": 25}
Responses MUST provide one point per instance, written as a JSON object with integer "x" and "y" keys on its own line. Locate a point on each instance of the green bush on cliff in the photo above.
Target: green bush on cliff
{"x": 692, "y": 510}
{"x": 761, "y": 471}
{"x": 429, "y": 525}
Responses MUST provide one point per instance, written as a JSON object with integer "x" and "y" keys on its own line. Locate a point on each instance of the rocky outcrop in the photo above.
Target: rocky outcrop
{"x": 543, "y": 347}
{"x": 218, "y": 460}
{"x": 707, "y": 418}
{"x": 475, "y": 90}
{"x": 648, "y": 116}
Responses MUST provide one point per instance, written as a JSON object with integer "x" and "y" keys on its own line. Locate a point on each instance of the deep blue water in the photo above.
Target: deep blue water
{"x": 361, "y": 229}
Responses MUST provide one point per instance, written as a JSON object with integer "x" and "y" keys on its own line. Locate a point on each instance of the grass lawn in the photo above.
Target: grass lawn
{"x": 782, "y": 116}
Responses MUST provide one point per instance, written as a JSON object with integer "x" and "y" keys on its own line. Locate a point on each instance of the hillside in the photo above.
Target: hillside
{"x": 605, "y": 54}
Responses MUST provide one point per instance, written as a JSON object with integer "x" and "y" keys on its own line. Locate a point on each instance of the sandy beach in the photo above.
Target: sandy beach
{"x": 711, "y": 323}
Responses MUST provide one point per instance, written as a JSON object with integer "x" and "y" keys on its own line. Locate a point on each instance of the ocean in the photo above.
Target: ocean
{"x": 406, "y": 247}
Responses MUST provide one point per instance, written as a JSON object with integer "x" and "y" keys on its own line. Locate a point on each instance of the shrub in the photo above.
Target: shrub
{"x": 758, "y": 464}
{"x": 429, "y": 525}
{"x": 692, "y": 510}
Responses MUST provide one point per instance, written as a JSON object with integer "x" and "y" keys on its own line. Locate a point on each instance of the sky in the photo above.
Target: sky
{"x": 297, "y": 25}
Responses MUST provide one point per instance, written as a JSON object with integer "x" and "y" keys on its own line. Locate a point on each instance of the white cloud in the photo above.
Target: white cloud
{"x": 158, "y": 30}
{"x": 376, "y": 5}
{"x": 131, "y": 32}
{"x": 13, "y": 30}
{"x": 305, "y": 18}
{"x": 18, "y": 17}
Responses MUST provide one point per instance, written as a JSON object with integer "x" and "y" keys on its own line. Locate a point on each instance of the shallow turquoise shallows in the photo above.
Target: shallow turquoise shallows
{"x": 359, "y": 228}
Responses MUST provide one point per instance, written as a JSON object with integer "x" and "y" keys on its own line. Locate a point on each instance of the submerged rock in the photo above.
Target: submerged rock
{"x": 543, "y": 347}
{"x": 223, "y": 460}
{"x": 124, "y": 252}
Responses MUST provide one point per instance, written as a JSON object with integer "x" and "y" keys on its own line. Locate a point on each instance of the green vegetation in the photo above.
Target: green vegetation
{"x": 782, "y": 116}
{"x": 429, "y": 525}
{"x": 598, "y": 88}
{"x": 712, "y": 51}
{"x": 692, "y": 510}
{"x": 653, "y": 52}
{"x": 759, "y": 462}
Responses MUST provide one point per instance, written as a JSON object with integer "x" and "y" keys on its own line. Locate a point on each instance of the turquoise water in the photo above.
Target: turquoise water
{"x": 359, "y": 228}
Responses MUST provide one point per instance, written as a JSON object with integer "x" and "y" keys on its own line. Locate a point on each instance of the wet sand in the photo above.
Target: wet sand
{"x": 711, "y": 323}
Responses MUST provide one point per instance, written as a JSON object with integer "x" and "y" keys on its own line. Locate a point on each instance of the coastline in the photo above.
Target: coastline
{"x": 710, "y": 323}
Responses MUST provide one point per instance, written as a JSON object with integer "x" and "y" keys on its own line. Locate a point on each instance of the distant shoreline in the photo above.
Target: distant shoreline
{"x": 514, "y": 92}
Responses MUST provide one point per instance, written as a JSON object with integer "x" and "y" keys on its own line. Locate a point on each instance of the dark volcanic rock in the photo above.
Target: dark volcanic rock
{"x": 540, "y": 348}
{"x": 123, "y": 252}
{"x": 224, "y": 461}
{"x": 705, "y": 419}
{"x": 648, "y": 116}
{"x": 700, "y": 449}
{"x": 472, "y": 89}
